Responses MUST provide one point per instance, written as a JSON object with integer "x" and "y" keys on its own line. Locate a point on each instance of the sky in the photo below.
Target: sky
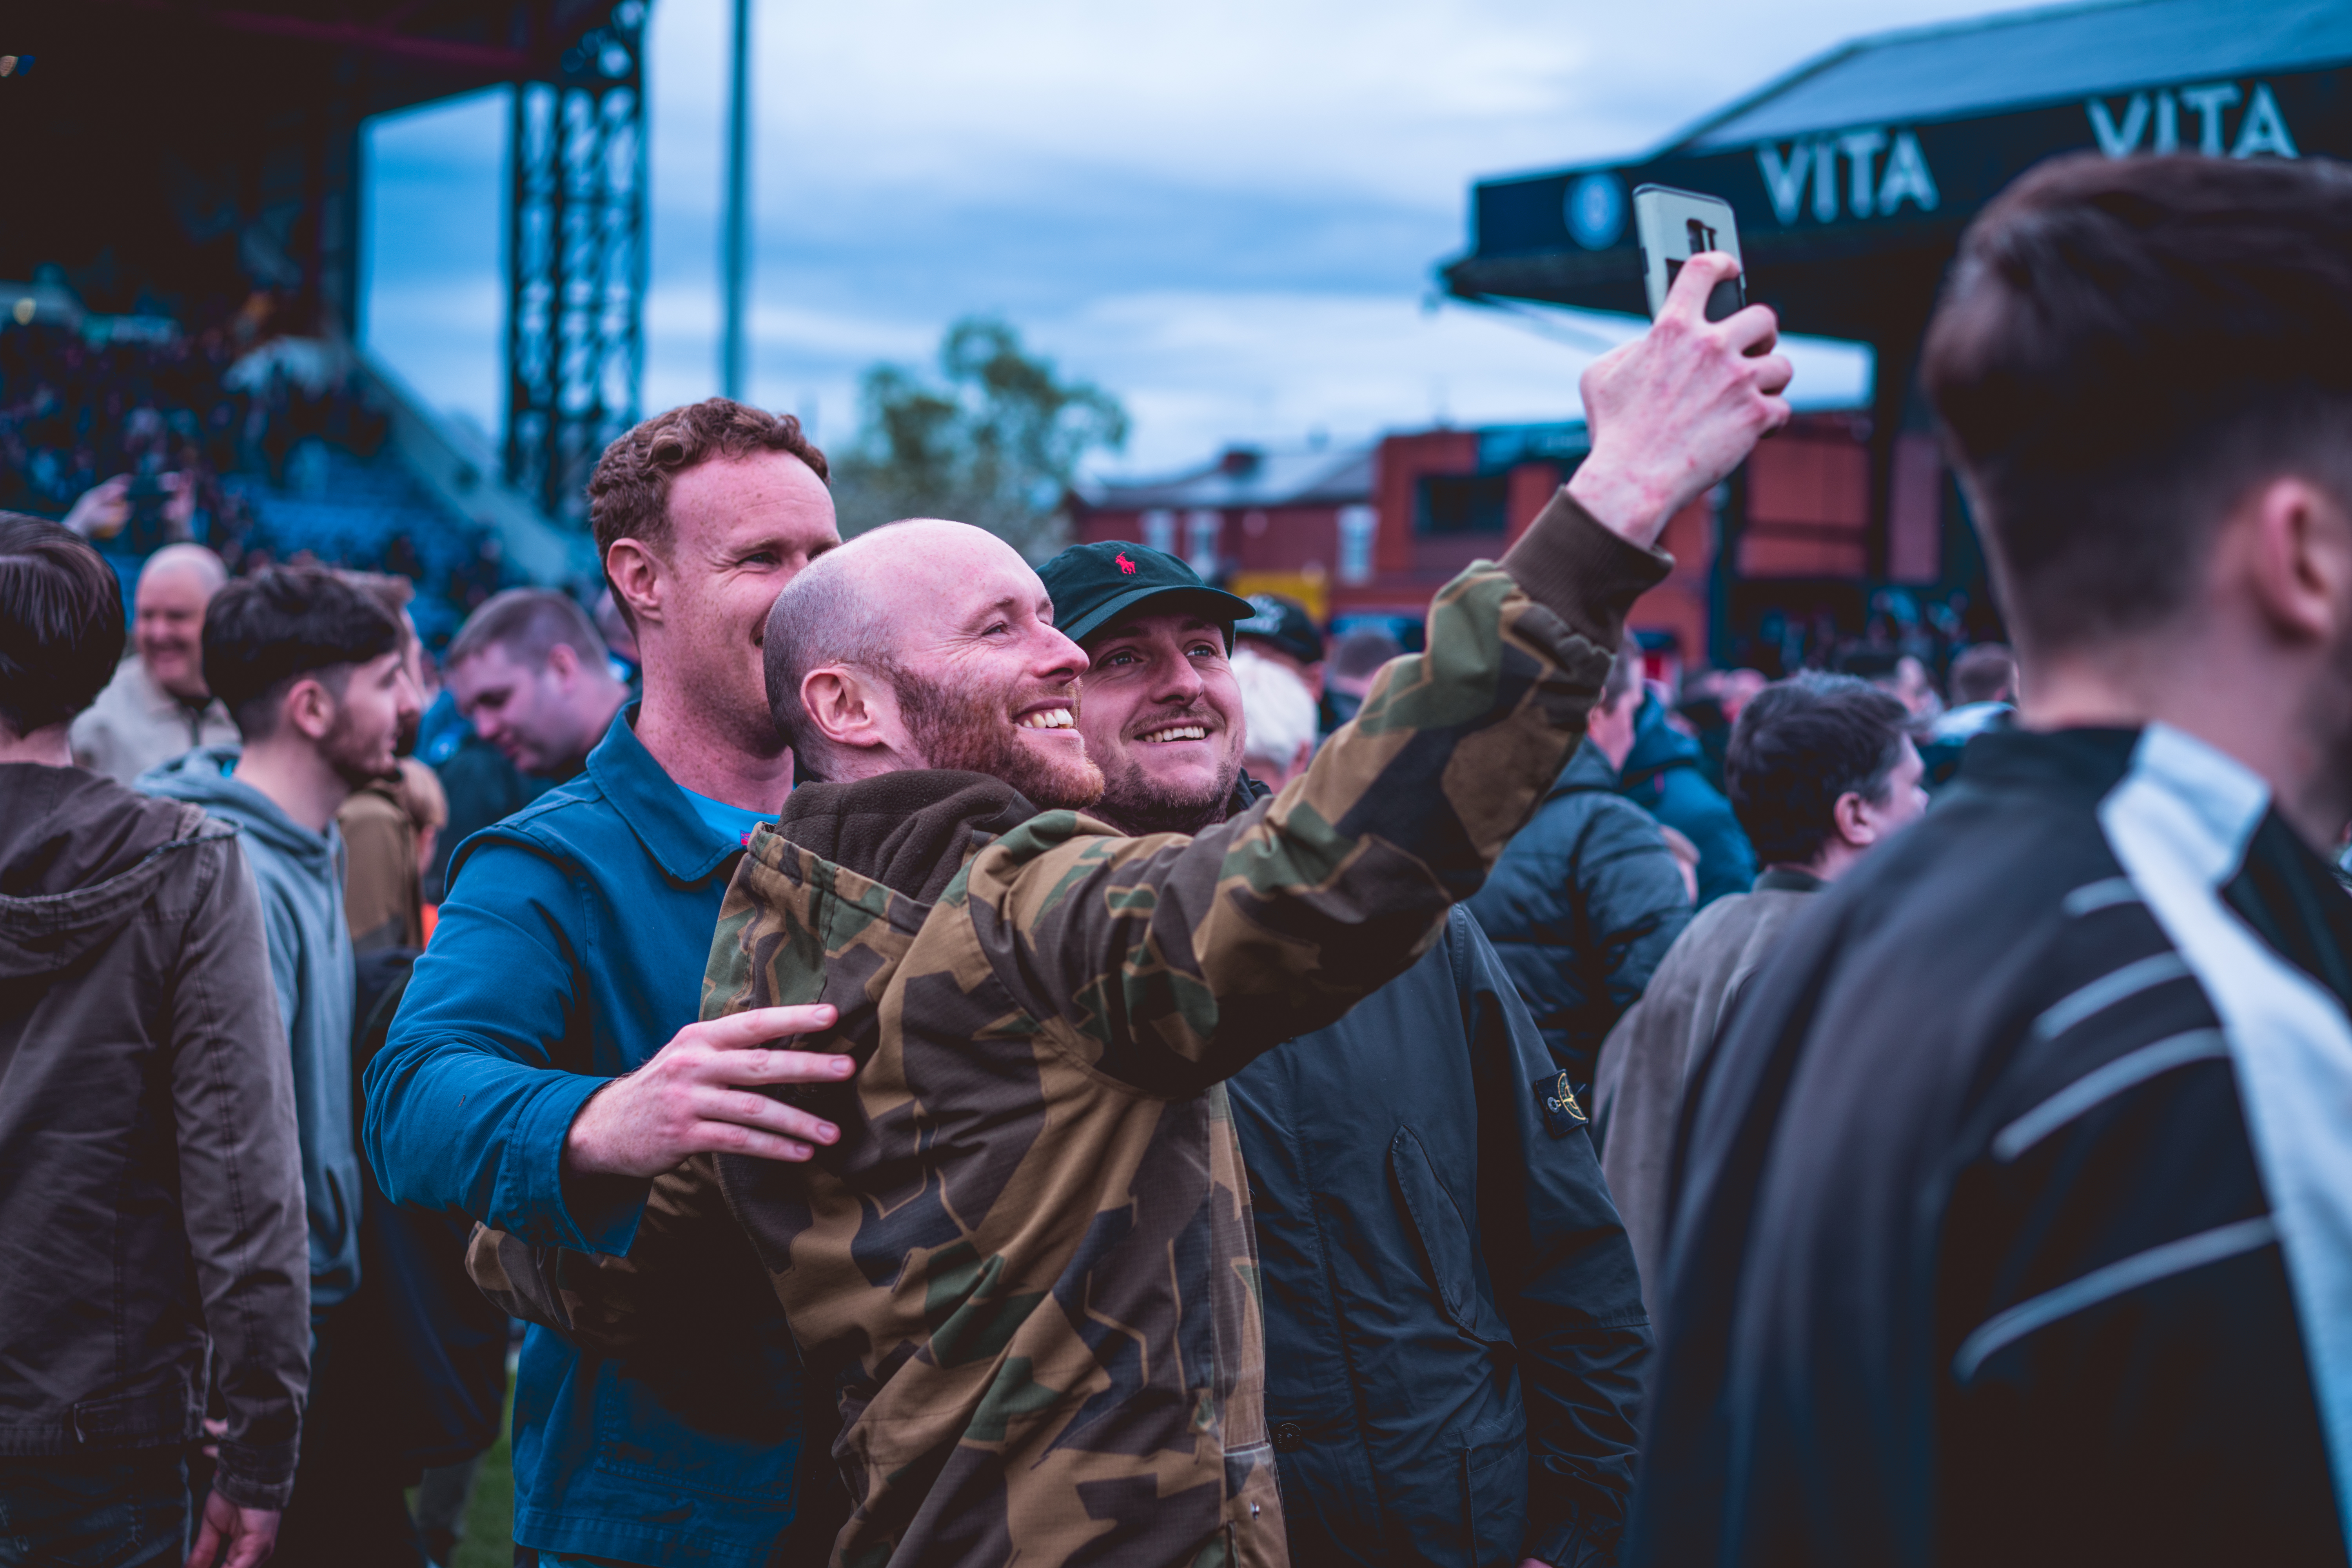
{"x": 1226, "y": 214}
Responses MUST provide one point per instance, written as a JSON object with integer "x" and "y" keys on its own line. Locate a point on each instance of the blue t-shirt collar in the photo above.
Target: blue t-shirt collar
{"x": 655, "y": 807}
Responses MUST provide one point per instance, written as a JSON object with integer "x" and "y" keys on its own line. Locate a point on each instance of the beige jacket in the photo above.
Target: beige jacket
{"x": 136, "y": 724}
{"x": 388, "y": 831}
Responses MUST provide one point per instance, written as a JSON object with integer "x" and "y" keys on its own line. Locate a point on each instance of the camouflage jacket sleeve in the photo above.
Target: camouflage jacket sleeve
{"x": 1169, "y": 963}
{"x": 622, "y": 1305}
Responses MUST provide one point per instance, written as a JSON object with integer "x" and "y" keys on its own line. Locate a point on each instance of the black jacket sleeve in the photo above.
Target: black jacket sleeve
{"x": 1562, "y": 1268}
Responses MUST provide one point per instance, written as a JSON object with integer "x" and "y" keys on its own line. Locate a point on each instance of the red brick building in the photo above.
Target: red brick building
{"x": 1370, "y": 532}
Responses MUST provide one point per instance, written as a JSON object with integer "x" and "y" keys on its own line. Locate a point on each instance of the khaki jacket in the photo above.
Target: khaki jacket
{"x": 135, "y": 725}
{"x": 1637, "y": 1088}
{"x": 1030, "y": 1261}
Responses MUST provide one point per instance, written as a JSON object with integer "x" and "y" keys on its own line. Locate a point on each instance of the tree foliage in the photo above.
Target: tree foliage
{"x": 995, "y": 442}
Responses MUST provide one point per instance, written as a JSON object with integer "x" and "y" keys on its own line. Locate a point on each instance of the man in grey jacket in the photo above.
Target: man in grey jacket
{"x": 151, "y": 1200}
{"x": 156, "y": 707}
{"x": 1820, "y": 769}
{"x": 311, "y": 669}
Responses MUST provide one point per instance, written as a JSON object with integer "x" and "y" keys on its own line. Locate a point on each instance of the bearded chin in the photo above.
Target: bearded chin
{"x": 1143, "y": 807}
{"x": 352, "y": 761}
{"x": 970, "y": 733}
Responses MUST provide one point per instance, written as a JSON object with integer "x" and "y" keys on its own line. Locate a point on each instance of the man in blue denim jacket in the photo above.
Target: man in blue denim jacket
{"x": 570, "y": 953}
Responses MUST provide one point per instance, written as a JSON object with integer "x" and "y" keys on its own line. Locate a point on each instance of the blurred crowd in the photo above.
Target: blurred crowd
{"x": 930, "y": 1060}
{"x": 138, "y": 444}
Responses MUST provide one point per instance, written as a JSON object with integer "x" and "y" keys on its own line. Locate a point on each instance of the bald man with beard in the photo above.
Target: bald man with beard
{"x": 1025, "y": 1263}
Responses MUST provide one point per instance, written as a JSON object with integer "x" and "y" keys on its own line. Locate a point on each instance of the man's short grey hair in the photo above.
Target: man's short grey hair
{"x": 185, "y": 557}
{"x": 527, "y": 623}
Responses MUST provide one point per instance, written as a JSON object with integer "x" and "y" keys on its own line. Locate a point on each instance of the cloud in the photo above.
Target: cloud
{"x": 1224, "y": 213}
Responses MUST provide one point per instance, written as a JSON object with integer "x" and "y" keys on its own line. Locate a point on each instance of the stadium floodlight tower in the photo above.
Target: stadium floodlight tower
{"x": 576, "y": 260}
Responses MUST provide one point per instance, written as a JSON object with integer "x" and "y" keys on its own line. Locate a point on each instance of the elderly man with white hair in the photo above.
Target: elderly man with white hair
{"x": 156, "y": 707}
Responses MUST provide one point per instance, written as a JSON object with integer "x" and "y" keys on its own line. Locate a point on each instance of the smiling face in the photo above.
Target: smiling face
{"x": 739, "y": 530}
{"x": 1162, "y": 717}
{"x": 931, "y": 645}
{"x": 982, "y": 679}
{"x": 168, "y": 630}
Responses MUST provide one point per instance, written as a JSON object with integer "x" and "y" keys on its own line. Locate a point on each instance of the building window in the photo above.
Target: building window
{"x": 1358, "y": 527}
{"x": 1200, "y": 542}
{"x": 1464, "y": 503}
{"x": 1160, "y": 532}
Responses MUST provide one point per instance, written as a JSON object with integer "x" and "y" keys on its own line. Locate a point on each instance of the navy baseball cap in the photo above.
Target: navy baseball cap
{"x": 1286, "y": 625}
{"x": 1093, "y": 584}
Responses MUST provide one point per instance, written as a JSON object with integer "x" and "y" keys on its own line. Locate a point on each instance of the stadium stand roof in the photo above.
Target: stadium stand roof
{"x": 1853, "y": 174}
{"x": 183, "y": 152}
{"x": 2051, "y": 55}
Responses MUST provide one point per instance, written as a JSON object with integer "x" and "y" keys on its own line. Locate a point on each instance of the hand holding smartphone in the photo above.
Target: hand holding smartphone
{"x": 1673, "y": 226}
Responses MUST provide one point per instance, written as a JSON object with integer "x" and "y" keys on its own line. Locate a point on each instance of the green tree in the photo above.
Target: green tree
{"x": 995, "y": 443}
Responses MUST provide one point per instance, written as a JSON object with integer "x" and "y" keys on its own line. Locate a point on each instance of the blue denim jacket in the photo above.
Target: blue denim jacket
{"x": 570, "y": 950}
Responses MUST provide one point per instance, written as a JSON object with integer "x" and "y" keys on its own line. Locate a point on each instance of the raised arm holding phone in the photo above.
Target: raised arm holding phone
{"x": 1023, "y": 1263}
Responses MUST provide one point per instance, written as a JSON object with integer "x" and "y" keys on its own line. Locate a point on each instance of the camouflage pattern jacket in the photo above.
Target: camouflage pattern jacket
{"x": 1030, "y": 1258}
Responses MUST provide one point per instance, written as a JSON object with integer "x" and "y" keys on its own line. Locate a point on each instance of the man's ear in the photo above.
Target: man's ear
{"x": 2299, "y": 560}
{"x": 848, "y": 707}
{"x": 1850, "y": 814}
{"x": 308, "y": 708}
{"x": 635, "y": 574}
{"x": 563, "y": 663}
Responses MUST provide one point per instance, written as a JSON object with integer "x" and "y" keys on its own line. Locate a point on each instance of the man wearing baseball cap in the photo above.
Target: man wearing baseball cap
{"x": 1281, "y": 629}
{"x": 1433, "y": 1098}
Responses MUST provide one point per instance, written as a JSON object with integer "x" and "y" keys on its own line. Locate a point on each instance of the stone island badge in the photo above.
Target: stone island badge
{"x": 1562, "y": 1113}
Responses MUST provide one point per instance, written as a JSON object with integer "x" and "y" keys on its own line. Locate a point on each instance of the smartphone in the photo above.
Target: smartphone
{"x": 1674, "y": 226}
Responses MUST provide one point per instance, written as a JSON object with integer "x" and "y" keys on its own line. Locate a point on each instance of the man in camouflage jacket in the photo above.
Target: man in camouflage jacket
{"x": 1027, "y": 1259}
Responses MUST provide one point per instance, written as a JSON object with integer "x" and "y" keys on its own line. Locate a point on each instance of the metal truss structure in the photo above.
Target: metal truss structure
{"x": 576, "y": 261}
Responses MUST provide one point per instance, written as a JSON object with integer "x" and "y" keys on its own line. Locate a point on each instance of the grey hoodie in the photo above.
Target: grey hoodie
{"x": 300, "y": 874}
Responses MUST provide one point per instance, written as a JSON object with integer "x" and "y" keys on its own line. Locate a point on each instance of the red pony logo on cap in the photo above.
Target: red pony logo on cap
{"x": 1124, "y": 563}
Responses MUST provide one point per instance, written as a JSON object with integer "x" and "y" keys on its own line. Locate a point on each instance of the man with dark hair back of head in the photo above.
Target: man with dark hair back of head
{"x": 317, "y": 675}
{"x": 547, "y": 1062}
{"x": 156, "y": 707}
{"x": 1588, "y": 898}
{"x": 1986, "y": 672}
{"x": 1821, "y": 768}
{"x": 529, "y": 670}
{"x": 1984, "y": 695}
{"x": 2013, "y": 1215}
{"x": 150, "y": 1188}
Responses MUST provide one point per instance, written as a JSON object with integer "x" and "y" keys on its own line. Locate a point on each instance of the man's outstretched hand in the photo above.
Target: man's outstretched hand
{"x": 695, "y": 1097}
{"x": 233, "y": 1537}
{"x": 1676, "y": 410}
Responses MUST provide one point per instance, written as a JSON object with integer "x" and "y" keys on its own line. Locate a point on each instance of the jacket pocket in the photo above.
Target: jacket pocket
{"x": 161, "y": 1412}
{"x": 1494, "y": 1502}
{"x": 1446, "y": 1245}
